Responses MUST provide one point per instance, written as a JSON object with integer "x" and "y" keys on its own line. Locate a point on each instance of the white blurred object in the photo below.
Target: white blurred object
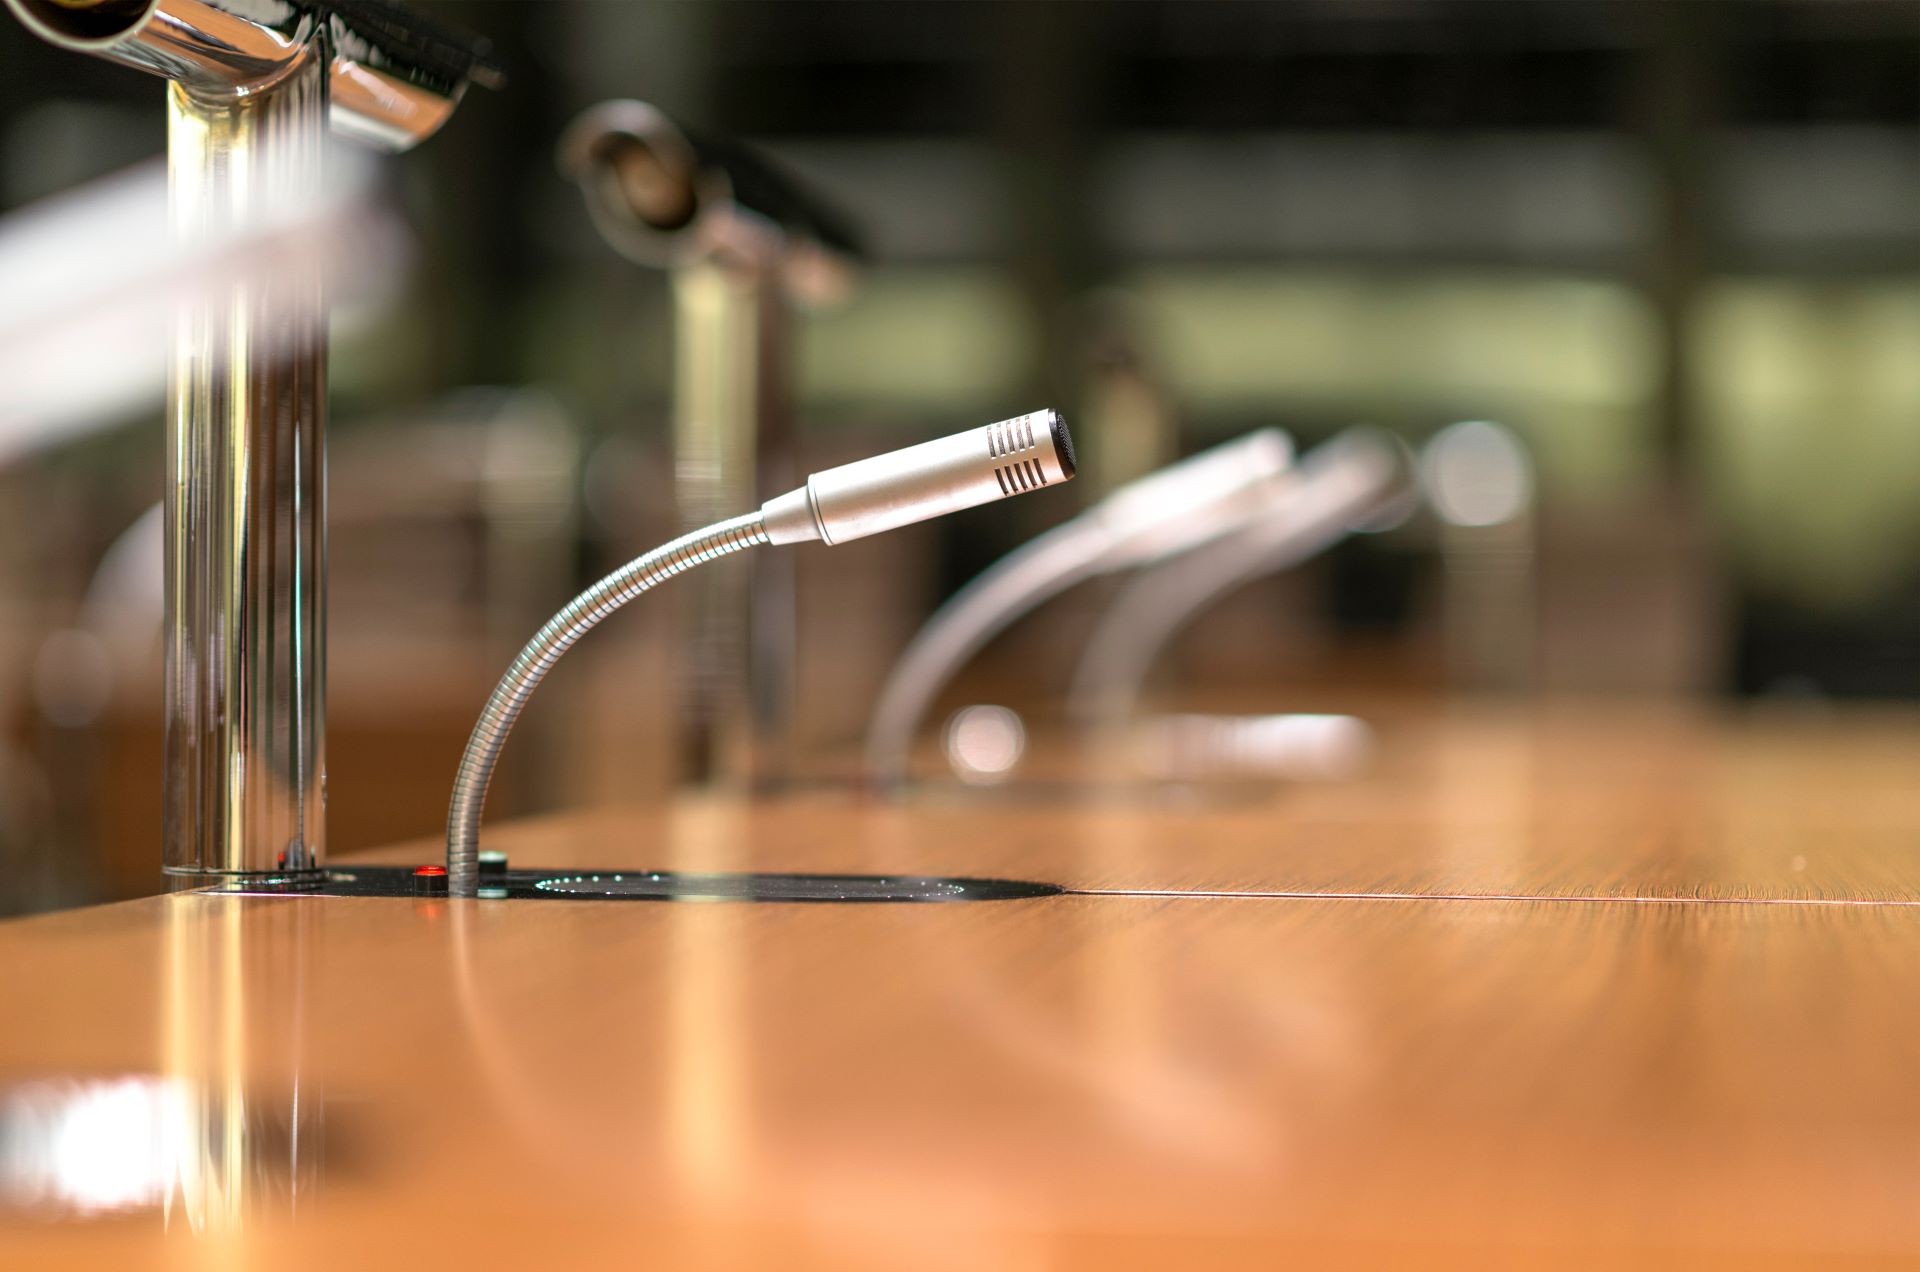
{"x": 1476, "y": 473}
{"x": 92, "y": 277}
{"x": 1478, "y": 478}
{"x": 88, "y": 1147}
{"x": 985, "y": 744}
{"x": 1281, "y": 747}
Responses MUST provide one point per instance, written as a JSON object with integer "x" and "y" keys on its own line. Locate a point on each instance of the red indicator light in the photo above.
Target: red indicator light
{"x": 429, "y": 872}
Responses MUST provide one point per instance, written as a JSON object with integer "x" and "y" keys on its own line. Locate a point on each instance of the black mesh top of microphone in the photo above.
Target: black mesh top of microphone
{"x": 1062, "y": 442}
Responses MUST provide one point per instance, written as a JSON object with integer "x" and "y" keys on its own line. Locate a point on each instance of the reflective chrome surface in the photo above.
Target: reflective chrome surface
{"x": 867, "y": 496}
{"x": 248, "y": 103}
{"x": 931, "y": 479}
{"x": 510, "y": 696}
{"x": 395, "y": 76}
{"x": 246, "y": 499}
{"x": 732, "y": 444}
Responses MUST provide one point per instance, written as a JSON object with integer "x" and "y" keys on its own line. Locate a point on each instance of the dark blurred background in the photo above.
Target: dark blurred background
{"x": 1673, "y": 247}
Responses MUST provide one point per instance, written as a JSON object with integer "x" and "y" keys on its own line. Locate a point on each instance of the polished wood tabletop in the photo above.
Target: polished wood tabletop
{"x": 1562, "y": 987}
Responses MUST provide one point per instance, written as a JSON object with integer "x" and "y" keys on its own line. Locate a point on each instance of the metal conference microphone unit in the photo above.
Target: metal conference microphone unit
{"x": 841, "y": 504}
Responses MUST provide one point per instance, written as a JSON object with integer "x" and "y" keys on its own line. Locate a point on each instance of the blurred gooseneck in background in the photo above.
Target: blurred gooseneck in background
{"x": 1333, "y": 489}
{"x": 1160, "y": 515}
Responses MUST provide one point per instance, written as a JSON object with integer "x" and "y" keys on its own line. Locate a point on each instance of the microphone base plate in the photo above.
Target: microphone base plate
{"x": 646, "y": 885}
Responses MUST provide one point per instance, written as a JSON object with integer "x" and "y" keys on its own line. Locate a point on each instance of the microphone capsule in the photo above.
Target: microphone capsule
{"x": 932, "y": 479}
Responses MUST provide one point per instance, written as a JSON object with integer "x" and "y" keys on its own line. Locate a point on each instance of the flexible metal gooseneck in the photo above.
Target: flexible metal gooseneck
{"x": 850, "y": 502}
{"x": 544, "y": 650}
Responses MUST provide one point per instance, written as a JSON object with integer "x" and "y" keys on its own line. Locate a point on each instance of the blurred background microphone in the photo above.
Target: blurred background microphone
{"x": 744, "y": 243}
{"x": 1161, "y": 514}
{"x": 964, "y": 470}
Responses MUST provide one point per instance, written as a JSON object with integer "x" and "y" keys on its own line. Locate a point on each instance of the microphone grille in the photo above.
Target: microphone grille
{"x": 1016, "y": 448}
{"x": 1062, "y": 442}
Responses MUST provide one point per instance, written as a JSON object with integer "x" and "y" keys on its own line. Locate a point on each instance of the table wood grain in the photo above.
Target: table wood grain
{"x": 1579, "y": 800}
{"x": 1710, "y": 1065}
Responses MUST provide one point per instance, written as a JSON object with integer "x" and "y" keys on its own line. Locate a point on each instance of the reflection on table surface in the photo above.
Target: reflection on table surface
{"x": 1605, "y": 984}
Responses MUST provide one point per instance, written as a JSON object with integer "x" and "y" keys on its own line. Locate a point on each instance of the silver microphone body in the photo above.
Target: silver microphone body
{"x": 934, "y": 478}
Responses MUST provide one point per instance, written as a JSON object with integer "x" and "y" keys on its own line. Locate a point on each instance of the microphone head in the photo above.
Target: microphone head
{"x": 664, "y": 196}
{"x": 995, "y": 461}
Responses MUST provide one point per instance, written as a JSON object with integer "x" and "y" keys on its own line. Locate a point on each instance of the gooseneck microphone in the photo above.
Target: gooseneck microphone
{"x": 1336, "y": 488}
{"x": 838, "y": 505}
{"x": 1163, "y": 514}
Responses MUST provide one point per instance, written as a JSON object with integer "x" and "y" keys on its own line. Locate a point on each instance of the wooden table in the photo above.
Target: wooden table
{"x": 1588, "y": 987}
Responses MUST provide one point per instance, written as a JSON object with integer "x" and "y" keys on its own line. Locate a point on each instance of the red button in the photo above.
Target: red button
{"x": 429, "y": 872}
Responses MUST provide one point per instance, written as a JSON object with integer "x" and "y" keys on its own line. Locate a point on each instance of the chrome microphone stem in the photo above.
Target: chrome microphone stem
{"x": 731, "y": 442}
{"x": 252, "y": 89}
{"x": 559, "y": 635}
{"x": 743, "y": 243}
{"x": 245, "y": 735}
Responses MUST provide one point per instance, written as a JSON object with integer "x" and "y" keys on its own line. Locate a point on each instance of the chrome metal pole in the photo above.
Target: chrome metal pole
{"x": 246, "y": 499}
{"x": 732, "y": 441}
{"x": 253, "y": 88}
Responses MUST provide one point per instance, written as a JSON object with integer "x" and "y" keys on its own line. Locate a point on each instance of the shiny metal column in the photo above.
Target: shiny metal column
{"x": 253, "y": 88}
{"x": 732, "y": 441}
{"x": 744, "y": 242}
{"x": 246, "y": 502}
